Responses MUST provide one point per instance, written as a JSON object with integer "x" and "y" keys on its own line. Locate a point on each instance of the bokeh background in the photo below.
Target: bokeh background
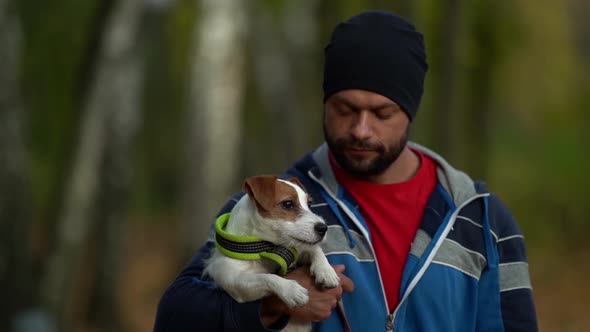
{"x": 125, "y": 124}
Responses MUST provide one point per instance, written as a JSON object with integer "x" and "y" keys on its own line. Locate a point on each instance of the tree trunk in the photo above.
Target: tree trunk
{"x": 116, "y": 173}
{"x": 479, "y": 102}
{"x": 214, "y": 114}
{"x": 110, "y": 118}
{"x": 281, "y": 47}
{"x": 16, "y": 276}
{"x": 445, "y": 78}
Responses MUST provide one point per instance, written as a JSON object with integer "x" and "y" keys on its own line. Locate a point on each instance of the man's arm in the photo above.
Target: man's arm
{"x": 516, "y": 295}
{"x": 191, "y": 304}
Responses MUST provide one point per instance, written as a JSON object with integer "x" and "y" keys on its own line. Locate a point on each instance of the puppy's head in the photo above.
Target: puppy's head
{"x": 282, "y": 215}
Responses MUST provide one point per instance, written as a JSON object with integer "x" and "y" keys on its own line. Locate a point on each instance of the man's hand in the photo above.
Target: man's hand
{"x": 321, "y": 301}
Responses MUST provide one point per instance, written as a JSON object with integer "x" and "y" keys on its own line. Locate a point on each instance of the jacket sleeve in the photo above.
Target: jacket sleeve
{"x": 516, "y": 295}
{"x": 193, "y": 303}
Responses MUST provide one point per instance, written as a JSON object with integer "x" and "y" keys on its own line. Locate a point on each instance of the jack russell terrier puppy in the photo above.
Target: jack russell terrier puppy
{"x": 270, "y": 226}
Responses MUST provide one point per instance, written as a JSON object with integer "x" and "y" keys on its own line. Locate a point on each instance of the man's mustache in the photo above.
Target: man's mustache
{"x": 352, "y": 143}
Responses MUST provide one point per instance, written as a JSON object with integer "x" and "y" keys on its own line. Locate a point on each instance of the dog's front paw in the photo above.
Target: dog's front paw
{"x": 325, "y": 275}
{"x": 294, "y": 295}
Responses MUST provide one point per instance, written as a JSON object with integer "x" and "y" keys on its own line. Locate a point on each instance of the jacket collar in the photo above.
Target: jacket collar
{"x": 458, "y": 184}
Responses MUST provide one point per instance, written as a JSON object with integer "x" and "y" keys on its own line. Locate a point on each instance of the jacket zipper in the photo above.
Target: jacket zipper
{"x": 389, "y": 325}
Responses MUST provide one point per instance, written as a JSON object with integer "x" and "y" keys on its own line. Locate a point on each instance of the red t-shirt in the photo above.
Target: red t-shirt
{"x": 393, "y": 213}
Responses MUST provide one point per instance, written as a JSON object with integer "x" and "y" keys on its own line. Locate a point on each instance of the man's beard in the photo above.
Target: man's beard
{"x": 366, "y": 166}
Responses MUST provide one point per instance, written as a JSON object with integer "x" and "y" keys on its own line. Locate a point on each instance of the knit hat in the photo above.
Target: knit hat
{"x": 379, "y": 52}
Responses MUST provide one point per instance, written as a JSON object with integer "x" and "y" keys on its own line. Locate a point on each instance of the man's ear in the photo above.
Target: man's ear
{"x": 261, "y": 189}
{"x": 297, "y": 182}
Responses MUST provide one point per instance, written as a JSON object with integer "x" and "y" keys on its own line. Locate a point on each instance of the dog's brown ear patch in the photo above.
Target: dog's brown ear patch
{"x": 297, "y": 182}
{"x": 261, "y": 189}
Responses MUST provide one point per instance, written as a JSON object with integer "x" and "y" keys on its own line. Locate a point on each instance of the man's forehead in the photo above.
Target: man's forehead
{"x": 361, "y": 99}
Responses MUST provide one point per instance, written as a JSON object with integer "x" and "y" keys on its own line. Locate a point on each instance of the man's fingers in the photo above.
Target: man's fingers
{"x": 321, "y": 300}
{"x": 339, "y": 268}
{"x": 345, "y": 282}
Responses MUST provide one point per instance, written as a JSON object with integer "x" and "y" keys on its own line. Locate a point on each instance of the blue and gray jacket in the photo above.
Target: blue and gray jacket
{"x": 466, "y": 271}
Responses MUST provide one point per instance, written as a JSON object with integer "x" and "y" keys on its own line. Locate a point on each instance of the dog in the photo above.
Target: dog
{"x": 273, "y": 217}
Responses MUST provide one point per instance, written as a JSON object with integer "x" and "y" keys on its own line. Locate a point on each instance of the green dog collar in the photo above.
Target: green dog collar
{"x": 246, "y": 247}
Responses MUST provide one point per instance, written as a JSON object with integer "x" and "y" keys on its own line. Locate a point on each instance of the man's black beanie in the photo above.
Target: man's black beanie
{"x": 380, "y": 52}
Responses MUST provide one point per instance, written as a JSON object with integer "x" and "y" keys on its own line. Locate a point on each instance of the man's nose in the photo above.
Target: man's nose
{"x": 361, "y": 128}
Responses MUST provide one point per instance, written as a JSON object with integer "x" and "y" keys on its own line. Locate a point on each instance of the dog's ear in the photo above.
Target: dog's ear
{"x": 261, "y": 189}
{"x": 297, "y": 182}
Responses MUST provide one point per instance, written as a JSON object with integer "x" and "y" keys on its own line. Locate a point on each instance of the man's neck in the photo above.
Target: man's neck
{"x": 402, "y": 169}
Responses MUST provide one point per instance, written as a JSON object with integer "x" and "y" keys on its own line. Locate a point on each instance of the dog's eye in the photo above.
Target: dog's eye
{"x": 309, "y": 202}
{"x": 287, "y": 205}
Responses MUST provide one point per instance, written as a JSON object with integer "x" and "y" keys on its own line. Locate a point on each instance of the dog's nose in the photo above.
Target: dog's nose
{"x": 320, "y": 228}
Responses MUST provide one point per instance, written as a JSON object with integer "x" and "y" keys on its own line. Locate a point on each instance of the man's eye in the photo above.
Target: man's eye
{"x": 288, "y": 205}
{"x": 384, "y": 114}
{"x": 344, "y": 110}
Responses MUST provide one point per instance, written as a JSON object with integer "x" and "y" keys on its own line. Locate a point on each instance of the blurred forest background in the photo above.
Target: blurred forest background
{"x": 125, "y": 124}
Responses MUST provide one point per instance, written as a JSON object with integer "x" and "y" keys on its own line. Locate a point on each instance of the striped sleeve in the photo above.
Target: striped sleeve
{"x": 516, "y": 296}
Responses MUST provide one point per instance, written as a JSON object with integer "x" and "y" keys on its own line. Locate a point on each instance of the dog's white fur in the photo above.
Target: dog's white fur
{"x": 248, "y": 280}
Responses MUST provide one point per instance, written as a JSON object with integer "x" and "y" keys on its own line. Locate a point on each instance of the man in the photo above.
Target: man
{"x": 418, "y": 245}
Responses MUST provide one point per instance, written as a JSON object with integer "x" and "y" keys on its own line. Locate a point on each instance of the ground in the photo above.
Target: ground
{"x": 560, "y": 287}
